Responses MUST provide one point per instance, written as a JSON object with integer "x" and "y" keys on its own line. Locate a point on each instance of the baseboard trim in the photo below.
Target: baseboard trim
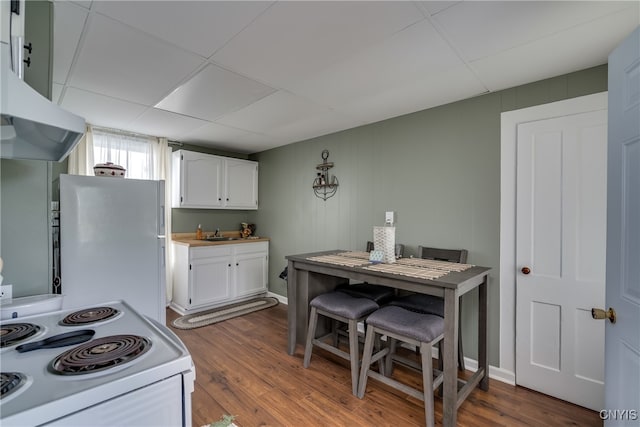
{"x": 495, "y": 373}
{"x": 280, "y": 298}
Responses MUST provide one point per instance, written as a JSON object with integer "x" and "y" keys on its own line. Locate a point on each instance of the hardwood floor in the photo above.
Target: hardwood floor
{"x": 243, "y": 369}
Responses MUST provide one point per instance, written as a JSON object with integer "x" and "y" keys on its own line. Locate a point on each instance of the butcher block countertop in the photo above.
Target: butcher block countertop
{"x": 189, "y": 239}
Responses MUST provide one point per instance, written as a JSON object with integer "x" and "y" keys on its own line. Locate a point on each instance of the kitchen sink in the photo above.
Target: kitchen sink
{"x": 220, "y": 239}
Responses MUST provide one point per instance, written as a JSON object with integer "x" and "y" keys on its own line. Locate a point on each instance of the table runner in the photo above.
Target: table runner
{"x": 435, "y": 264}
{"x": 408, "y": 270}
{"x": 355, "y": 254}
{"x": 411, "y": 267}
{"x": 340, "y": 260}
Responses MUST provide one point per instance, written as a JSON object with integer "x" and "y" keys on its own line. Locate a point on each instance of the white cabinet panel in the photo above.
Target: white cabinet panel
{"x": 210, "y": 276}
{"x": 197, "y": 180}
{"x": 251, "y": 269}
{"x": 210, "y": 281}
{"x": 205, "y": 181}
{"x": 241, "y": 188}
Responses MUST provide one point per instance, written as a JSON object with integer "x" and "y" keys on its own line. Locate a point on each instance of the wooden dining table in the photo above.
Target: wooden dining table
{"x": 315, "y": 273}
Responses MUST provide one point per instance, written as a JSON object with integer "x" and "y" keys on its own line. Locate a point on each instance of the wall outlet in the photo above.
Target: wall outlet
{"x": 6, "y": 292}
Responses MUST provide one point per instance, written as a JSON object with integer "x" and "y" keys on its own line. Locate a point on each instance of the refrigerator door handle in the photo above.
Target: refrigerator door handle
{"x": 161, "y": 221}
{"x": 161, "y": 205}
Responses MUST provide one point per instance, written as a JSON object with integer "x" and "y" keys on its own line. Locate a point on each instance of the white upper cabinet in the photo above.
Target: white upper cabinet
{"x": 241, "y": 185}
{"x": 205, "y": 181}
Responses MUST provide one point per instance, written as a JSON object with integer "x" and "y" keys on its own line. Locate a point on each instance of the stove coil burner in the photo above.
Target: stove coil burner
{"x": 100, "y": 354}
{"x": 14, "y": 333}
{"x": 89, "y": 315}
{"x": 10, "y": 382}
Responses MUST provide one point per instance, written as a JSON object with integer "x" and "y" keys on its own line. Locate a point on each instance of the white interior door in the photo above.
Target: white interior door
{"x": 560, "y": 256}
{"x": 622, "y": 402}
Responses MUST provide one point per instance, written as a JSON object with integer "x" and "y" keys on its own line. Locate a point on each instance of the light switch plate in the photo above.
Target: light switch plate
{"x": 389, "y": 218}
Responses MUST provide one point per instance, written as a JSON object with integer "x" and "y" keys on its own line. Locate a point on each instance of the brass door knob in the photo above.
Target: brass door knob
{"x": 526, "y": 270}
{"x": 598, "y": 314}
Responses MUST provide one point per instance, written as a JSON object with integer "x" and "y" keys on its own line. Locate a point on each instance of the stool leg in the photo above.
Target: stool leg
{"x": 366, "y": 361}
{"x": 381, "y": 363}
{"x": 440, "y": 366}
{"x": 334, "y": 332}
{"x": 354, "y": 354}
{"x": 388, "y": 367}
{"x": 427, "y": 379}
{"x": 460, "y": 351}
{"x": 311, "y": 332}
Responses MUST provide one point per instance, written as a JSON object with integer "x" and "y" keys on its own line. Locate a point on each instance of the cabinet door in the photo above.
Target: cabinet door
{"x": 210, "y": 281}
{"x": 251, "y": 273}
{"x": 241, "y": 188}
{"x": 200, "y": 180}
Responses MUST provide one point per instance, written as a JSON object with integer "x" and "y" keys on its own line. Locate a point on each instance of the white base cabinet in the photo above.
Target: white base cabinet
{"x": 209, "y": 276}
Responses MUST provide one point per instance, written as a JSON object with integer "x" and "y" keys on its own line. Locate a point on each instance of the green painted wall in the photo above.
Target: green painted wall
{"x": 24, "y": 228}
{"x": 186, "y": 220}
{"x": 438, "y": 169}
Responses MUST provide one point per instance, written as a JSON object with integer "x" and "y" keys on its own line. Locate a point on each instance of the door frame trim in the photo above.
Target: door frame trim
{"x": 509, "y": 122}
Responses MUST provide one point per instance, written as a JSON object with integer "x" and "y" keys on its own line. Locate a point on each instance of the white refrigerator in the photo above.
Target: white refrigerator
{"x": 112, "y": 243}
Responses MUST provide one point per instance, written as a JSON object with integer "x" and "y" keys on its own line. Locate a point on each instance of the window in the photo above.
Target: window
{"x": 136, "y": 153}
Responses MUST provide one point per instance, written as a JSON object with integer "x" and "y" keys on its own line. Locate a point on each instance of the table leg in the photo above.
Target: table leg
{"x": 292, "y": 278}
{"x": 483, "y": 357}
{"x": 302, "y": 287}
{"x": 450, "y": 356}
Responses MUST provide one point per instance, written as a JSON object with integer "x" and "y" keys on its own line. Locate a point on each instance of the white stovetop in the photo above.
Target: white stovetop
{"x": 50, "y": 396}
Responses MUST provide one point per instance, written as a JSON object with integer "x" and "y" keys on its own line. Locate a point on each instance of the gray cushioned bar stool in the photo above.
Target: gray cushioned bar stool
{"x": 343, "y": 308}
{"x": 430, "y": 304}
{"x": 421, "y": 330}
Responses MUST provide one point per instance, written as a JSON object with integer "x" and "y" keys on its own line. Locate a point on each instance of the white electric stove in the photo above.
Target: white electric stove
{"x": 128, "y": 370}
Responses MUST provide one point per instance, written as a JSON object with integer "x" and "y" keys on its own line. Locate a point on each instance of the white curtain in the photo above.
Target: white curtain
{"x": 81, "y": 157}
{"x": 162, "y": 157}
{"x": 143, "y": 157}
{"x": 136, "y": 153}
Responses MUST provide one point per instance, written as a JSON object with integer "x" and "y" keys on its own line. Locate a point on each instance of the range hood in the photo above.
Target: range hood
{"x": 32, "y": 126}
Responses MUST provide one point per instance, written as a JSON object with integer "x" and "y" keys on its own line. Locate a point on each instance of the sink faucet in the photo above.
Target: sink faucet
{"x": 217, "y": 233}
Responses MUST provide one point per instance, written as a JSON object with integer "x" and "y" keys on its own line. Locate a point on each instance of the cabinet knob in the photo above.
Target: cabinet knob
{"x": 237, "y": 264}
{"x": 229, "y": 264}
{"x": 219, "y": 199}
{"x": 526, "y": 270}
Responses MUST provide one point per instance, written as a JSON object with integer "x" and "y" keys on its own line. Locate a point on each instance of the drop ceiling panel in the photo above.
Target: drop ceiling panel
{"x": 433, "y": 90}
{"x": 56, "y": 91}
{"x": 479, "y": 28}
{"x": 214, "y": 92}
{"x": 315, "y": 125}
{"x": 433, "y": 7}
{"x": 164, "y": 124}
{"x": 86, "y": 3}
{"x": 546, "y": 57}
{"x": 408, "y": 56}
{"x": 101, "y": 110}
{"x": 292, "y": 39}
{"x": 67, "y": 28}
{"x": 276, "y": 110}
{"x": 201, "y": 27}
{"x": 291, "y": 70}
{"x": 228, "y": 138}
{"x": 127, "y": 64}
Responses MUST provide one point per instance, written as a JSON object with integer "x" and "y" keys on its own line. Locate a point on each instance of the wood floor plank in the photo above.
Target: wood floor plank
{"x": 243, "y": 369}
